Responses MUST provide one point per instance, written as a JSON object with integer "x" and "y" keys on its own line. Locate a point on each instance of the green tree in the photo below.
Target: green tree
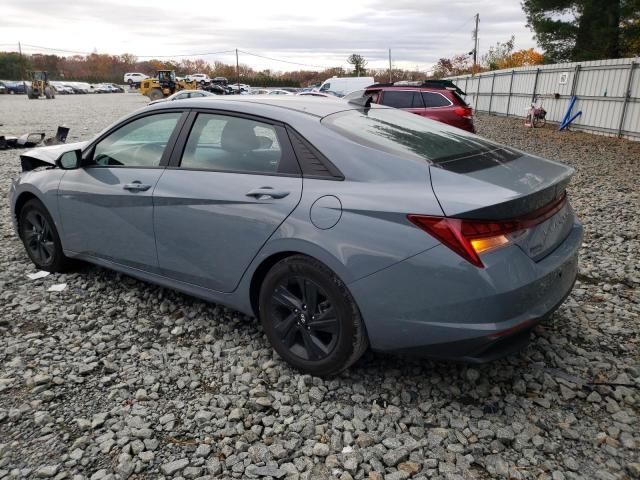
{"x": 577, "y": 30}
{"x": 12, "y": 65}
{"x": 358, "y": 62}
{"x": 497, "y": 53}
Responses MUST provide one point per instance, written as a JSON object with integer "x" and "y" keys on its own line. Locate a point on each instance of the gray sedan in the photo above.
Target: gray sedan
{"x": 183, "y": 95}
{"x": 339, "y": 225}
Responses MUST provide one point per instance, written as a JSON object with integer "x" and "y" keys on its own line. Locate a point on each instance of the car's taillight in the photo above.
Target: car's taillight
{"x": 469, "y": 237}
{"x": 465, "y": 112}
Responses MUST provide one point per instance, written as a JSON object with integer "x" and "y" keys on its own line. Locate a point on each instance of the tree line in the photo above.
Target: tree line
{"x": 98, "y": 68}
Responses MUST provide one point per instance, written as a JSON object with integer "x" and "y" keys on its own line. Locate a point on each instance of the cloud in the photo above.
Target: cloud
{"x": 419, "y": 32}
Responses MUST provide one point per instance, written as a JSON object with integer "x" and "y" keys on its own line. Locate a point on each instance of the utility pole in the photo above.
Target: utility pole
{"x": 237, "y": 71}
{"x": 390, "y": 79}
{"x": 22, "y": 66}
{"x": 475, "y": 41}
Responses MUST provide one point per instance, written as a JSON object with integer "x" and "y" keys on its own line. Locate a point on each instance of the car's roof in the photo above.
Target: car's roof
{"x": 416, "y": 88}
{"x": 304, "y": 104}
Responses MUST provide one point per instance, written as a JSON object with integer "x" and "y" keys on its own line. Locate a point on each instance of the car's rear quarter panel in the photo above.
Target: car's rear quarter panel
{"x": 437, "y": 297}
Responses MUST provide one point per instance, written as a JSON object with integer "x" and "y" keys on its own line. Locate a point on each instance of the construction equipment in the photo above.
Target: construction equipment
{"x": 40, "y": 86}
{"x": 164, "y": 84}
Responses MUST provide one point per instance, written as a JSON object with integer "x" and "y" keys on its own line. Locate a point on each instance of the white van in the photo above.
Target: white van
{"x": 344, "y": 85}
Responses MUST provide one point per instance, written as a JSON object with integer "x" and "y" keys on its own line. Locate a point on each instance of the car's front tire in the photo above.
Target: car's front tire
{"x": 40, "y": 238}
{"x": 310, "y": 317}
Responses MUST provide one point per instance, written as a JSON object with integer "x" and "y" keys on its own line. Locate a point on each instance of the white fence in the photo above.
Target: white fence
{"x": 607, "y": 91}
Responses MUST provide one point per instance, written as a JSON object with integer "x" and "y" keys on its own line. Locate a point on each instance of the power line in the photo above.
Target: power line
{"x": 55, "y": 49}
{"x": 283, "y": 61}
{"x": 200, "y": 54}
{"x": 187, "y": 54}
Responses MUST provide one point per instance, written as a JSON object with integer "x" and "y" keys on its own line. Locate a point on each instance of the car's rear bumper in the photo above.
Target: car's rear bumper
{"x": 438, "y": 305}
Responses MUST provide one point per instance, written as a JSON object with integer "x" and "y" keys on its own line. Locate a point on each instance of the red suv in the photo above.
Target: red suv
{"x": 439, "y": 100}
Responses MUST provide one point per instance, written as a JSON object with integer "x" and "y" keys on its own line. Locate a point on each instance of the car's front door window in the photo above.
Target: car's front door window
{"x": 140, "y": 143}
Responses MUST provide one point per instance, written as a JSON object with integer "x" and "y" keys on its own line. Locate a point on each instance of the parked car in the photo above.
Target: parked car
{"x": 115, "y": 88}
{"x": 62, "y": 89}
{"x": 341, "y": 86}
{"x": 73, "y": 87}
{"x": 216, "y": 89}
{"x": 409, "y": 234}
{"x": 316, "y": 94}
{"x": 439, "y": 100}
{"x": 15, "y": 87}
{"x": 134, "y": 78}
{"x": 104, "y": 88}
{"x": 80, "y": 87}
{"x": 3, "y": 89}
{"x": 260, "y": 91}
{"x": 201, "y": 78}
{"x": 183, "y": 95}
{"x": 291, "y": 89}
{"x": 279, "y": 91}
{"x": 236, "y": 89}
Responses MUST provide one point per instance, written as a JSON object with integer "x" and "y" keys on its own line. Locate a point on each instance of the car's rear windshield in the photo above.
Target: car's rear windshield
{"x": 408, "y": 135}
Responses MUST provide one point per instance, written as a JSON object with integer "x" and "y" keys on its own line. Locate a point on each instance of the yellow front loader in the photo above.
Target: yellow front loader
{"x": 40, "y": 86}
{"x": 164, "y": 84}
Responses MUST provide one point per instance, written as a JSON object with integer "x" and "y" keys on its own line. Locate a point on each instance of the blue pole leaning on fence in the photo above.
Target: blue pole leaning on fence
{"x": 568, "y": 122}
{"x": 568, "y": 113}
{"x": 567, "y": 119}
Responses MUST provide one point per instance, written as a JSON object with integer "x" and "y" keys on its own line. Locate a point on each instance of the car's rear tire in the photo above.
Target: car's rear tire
{"x": 40, "y": 238}
{"x": 310, "y": 317}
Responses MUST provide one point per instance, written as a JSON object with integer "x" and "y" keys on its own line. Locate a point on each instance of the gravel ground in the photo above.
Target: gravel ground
{"x": 115, "y": 378}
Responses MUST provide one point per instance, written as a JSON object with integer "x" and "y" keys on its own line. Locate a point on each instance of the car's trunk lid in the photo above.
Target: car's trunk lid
{"x": 503, "y": 184}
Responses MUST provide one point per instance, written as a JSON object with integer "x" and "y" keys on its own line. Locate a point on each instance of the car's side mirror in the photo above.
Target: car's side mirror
{"x": 70, "y": 160}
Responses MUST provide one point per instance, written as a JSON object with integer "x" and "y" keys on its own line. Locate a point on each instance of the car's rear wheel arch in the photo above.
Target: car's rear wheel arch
{"x": 317, "y": 254}
{"x": 260, "y": 273}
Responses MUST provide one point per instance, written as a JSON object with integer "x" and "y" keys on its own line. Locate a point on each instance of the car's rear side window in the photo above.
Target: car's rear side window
{"x": 226, "y": 143}
{"x": 433, "y": 100}
{"x": 407, "y": 135}
{"x": 402, "y": 99}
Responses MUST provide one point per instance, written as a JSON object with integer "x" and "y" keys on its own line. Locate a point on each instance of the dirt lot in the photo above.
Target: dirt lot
{"x": 115, "y": 378}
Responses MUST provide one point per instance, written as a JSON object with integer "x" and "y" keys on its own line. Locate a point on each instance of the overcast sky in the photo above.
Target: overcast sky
{"x": 321, "y": 33}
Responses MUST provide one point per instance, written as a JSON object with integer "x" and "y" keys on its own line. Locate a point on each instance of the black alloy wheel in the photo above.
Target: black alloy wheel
{"x": 310, "y": 317}
{"x": 40, "y": 238}
{"x": 304, "y": 318}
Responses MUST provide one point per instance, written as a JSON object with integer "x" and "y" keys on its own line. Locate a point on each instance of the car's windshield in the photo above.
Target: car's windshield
{"x": 409, "y": 135}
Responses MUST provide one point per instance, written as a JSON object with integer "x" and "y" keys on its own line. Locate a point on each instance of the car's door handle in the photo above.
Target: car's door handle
{"x": 136, "y": 186}
{"x": 266, "y": 192}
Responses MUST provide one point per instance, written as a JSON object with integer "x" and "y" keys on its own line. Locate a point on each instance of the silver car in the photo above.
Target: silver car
{"x": 183, "y": 95}
{"x": 339, "y": 225}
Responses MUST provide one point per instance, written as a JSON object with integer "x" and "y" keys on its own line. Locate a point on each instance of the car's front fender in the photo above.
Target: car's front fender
{"x": 41, "y": 184}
